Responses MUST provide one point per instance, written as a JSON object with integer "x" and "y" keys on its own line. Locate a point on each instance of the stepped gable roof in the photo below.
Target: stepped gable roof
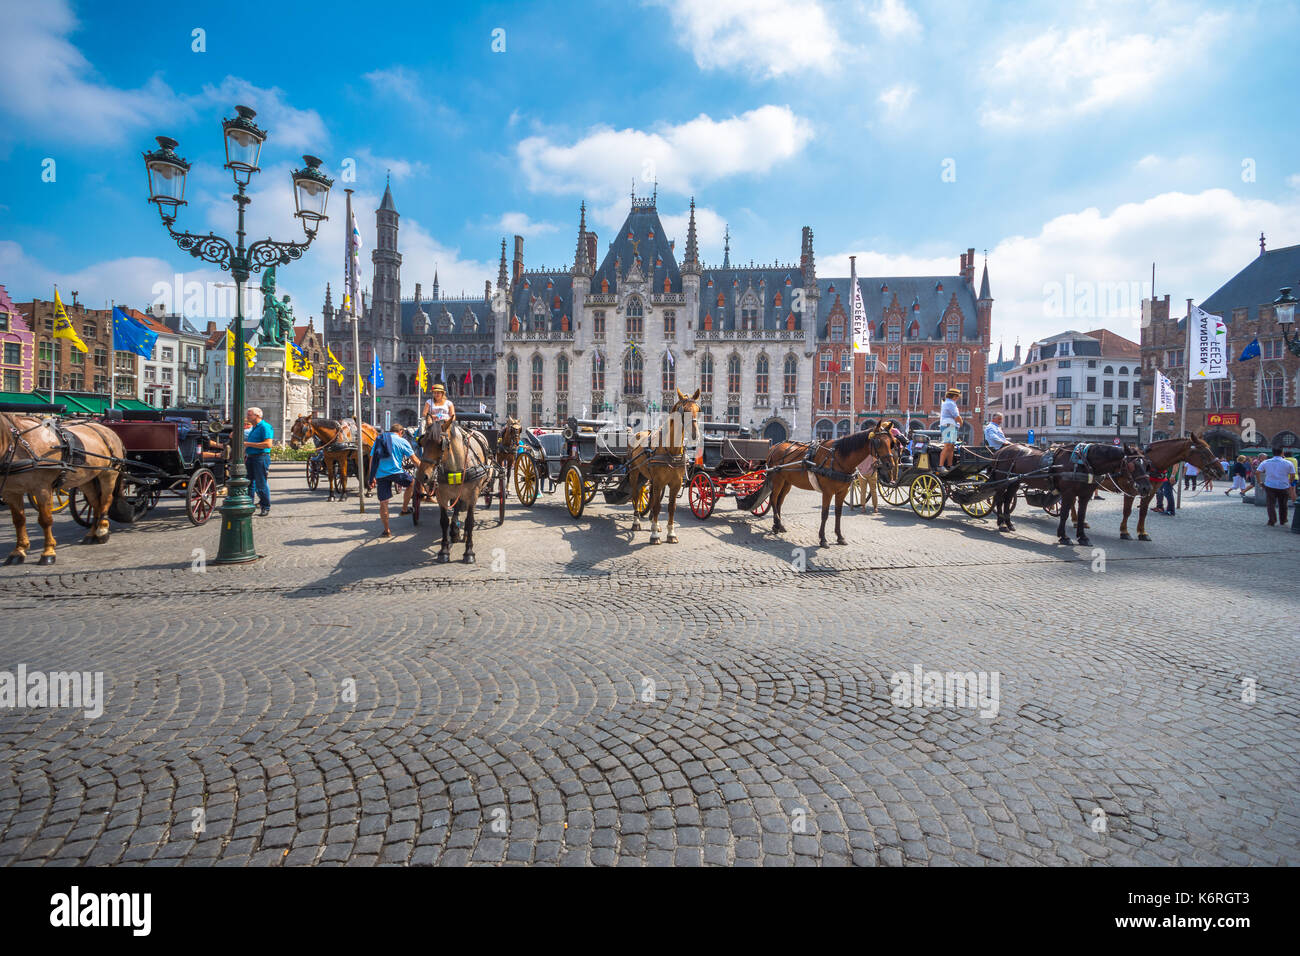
{"x": 1255, "y": 285}
{"x": 931, "y": 295}
{"x": 649, "y": 242}
{"x": 546, "y": 287}
{"x": 735, "y": 284}
{"x": 455, "y": 308}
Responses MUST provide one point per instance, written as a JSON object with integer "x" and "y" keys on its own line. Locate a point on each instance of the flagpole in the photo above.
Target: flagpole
{"x": 853, "y": 345}
{"x": 54, "y": 343}
{"x": 112, "y": 357}
{"x": 350, "y": 292}
{"x": 1187, "y": 389}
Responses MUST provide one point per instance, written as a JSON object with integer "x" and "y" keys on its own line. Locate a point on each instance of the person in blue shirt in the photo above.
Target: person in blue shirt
{"x": 387, "y": 465}
{"x": 993, "y": 436}
{"x": 258, "y": 439}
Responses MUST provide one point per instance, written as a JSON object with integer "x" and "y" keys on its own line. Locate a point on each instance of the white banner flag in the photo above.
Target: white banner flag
{"x": 1209, "y": 345}
{"x": 861, "y": 330}
{"x": 1165, "y": 398}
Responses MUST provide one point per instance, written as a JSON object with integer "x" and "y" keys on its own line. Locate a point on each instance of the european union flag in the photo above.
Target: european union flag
{"x": 376, "y": 376}
{"x": 1250, "y": 351}
{"x": 130, "y": 336}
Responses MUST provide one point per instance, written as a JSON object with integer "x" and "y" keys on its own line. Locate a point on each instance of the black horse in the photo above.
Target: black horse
{"x": 1072, "y": 475}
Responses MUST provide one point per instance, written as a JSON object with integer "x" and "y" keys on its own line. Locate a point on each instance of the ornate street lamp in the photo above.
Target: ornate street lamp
{"x": 1284, "y": 307}
{"x": 166, "y": 170}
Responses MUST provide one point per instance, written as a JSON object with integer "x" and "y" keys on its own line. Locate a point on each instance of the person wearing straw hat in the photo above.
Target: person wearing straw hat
{"x": 949, "y": 421}
{"x": 437, "y": 408}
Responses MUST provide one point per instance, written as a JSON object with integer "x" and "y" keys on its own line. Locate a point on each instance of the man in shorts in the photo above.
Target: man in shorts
{"x": 949, "y": 421}
{"x": 387, "y": 457}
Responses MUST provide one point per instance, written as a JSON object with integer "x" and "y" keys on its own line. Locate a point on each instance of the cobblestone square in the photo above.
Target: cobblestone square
{"x": 582, "y": 698}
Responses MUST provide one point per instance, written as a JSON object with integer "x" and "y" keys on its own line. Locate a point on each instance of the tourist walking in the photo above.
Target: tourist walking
{"x": 388, "y": 458}
{"x": 1238, "y": 472}
{"x": 1277, "y": 474}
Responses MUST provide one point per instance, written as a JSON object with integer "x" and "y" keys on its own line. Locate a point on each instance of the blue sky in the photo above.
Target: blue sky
{"x": 1076, "y": 145}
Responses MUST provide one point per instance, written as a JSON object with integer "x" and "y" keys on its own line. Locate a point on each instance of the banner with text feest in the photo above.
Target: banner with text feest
{"x": 1208, "y": 357}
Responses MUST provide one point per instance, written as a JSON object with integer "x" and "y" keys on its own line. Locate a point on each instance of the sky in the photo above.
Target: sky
{"x": 1076, "y": 144}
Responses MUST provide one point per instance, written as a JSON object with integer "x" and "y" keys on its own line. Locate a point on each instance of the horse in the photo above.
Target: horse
{"x": 1162, "y": 454}
{"x": 1046, "y": 471}
{"x": 458, "y": 462}
{"x": 507, "y": 450}
{"x": 37, "y": 458}
{"x": 658, "y": 456}
{"x": 827, "y": 467}
{"x": 338, "y": 441}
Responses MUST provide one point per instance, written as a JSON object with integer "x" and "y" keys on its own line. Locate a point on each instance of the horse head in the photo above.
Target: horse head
{"x": 1138, "y": 468}
{"x": 1203, "y": 457}
{"x": 886, "y": 446}
{"x": 508, "y": 440}
{"x": 686, "y": 405}
{"x": 301, "y": 431}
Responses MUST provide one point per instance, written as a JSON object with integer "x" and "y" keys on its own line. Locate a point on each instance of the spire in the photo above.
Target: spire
{"x": 984, "y": 281}
{"x": 581, "y": 267}
{"x": 726, "y": 248}
{"x": 999, "y": 351}
{"x": 329, "y": 304}
{"x": 503, "y": 277}
{"x": 807, "y": 262}
{"x": 386, "y": 205}
{"x": 436, "y": 297}
{"x": 691, "y": 264}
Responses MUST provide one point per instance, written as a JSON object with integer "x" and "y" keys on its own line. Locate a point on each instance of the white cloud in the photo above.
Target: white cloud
{"x": 1061, "y": 74}
{"x": 397, "y": 81}
{"x": 287, "y": 126}
{"x": 518, "y": 223}
{"x": 603, "y": 164}
{"x": 1198, "y": 242}
{"x": 766, "y": 38}
{"x": 896, "y": 99}
{"x": 1293, "y": 180}
{"x": 709, "y": 227}
{"x": 893, "y": 19}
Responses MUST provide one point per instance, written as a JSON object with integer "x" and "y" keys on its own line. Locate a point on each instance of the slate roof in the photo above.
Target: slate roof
{"x": 642, "y": 234}
{"x": 923, "y": 298}
{"x": 554, "y": 290}
{"x": 764, "y": 281}
{"x": 456, "y": 308}
{"x": 1256, "y": 285}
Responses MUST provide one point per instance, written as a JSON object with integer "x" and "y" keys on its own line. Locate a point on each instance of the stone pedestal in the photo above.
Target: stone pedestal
{"x": 280, "y": 396}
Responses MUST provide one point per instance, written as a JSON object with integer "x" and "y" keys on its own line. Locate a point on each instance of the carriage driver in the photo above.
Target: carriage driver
{"x": 993, "y": 436}
{"x": 437, "y": 408}
{"x": 949, "y": 421}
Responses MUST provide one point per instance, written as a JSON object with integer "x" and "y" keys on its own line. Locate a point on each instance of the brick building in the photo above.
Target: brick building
{"x": 1265, "y": 389}
{"x": 17, "y": 348}
{"x": 77, "y": 371}
{"x": 313, "y": 347}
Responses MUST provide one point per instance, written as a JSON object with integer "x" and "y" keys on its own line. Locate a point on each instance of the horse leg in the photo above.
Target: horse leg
{"x": 839, "y": 510}
{"x": 455, "y": 522}
{"x": 1067, "y": 503}
{"x": 469, "y": 530}
{"x": 107, "y": 485}
{"x": 672, "y": 510}
{"x": 656, "y": 493}
{"x": 45, "y": 517}
{"x": 826, "y": 511}
{"x": 18, "y": 511}
{"x": 872, "y": 484}
{"x": 444, "y": 553}
{"x": 501, "y": 506}
{"x": 1081, "y": 523}
{"x": 637, "y": 485}
{"x": 1142, "y": 519}
{"x": 779, "y": 490}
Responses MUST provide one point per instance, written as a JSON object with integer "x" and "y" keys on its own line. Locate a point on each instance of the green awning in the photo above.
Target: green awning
{"x": 25, "y": 398}
{"x": 132, "y": 405}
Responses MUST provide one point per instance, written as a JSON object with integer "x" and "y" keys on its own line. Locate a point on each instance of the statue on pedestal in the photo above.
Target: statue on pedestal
{"x": 277, "y": 314}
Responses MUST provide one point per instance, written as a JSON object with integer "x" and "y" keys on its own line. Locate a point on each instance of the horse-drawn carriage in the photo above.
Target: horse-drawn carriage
{"x": 594, "y": 458}
{"x": 731, "y": 464}
{"x": 485, "y": 424}
{"x": 539, "y": 464}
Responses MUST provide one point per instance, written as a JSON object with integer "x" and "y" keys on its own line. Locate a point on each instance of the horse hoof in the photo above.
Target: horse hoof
{"x": 443, "y": 557}
{"x": 1064, "y": 540}
{"x": 778, "y": 529}
{"x": 469, "y": 558}
{"x": 654, "y": 539}
{"x": 822, "y": 543}
{"x": 1084, "y": 541}
{"x": 841, "y": 541}
{"x": 1010, "y": 526}
{"x": 1144, "y": 537}
{"x": 15, "y": 559}
{"x": 671, "y": 539}
{"x": 1126, "y": 536}
{"x": 46, "y": 559}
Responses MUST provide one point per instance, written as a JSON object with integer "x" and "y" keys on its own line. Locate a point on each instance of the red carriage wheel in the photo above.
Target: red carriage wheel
{"x": 764, "y": 508}
{"x": 201, "y": 496}
{"x": 701, "y": 495}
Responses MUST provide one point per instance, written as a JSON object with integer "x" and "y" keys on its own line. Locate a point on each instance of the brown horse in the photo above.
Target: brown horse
{"x": 458, "y": 462}
{"x": 826, "y": 467}
{"x": 658, "y": 456}
{"x": 507, "y": 450}
{"x": 1162, "y": 454}
{"x": 338, "y": 441}
{"x": 1057, "y": 470}
{"x": 37, "y": 458}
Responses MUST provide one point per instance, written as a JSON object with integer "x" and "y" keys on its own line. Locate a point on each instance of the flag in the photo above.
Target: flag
{"x": 469, "y": 375}
{"x": 422, "y": 375}
{"x": 63, "y": 325}
{"x": 1209, "y": 345}
{"x": 376, "y": 376}
{"x": 482, "y": 408}
{"x": 130, "y": 336}
{"x": 1251, "y": 351}
{"x": 672, "y": 362}
{"x": 833, "y": 367}
{"x": 296, "y": 361}
{"x": 352, "y": 265}
{"x": 334, "y": 370}
{"x": 250, "y": 353}
{"x": 1166, "y": 401}
{"x": 442, "y": 373}
{"x": 861, "y": 330}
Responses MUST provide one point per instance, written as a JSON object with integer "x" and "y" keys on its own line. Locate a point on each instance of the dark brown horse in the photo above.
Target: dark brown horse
{"x": 827, "y": 467}
{"x": 1074, "y": 477}
{"x": 36, "y": 458}
{"x": 507, "y": 450}
{"x": 1162, "y": 454}
{"x": 338, "y": 441}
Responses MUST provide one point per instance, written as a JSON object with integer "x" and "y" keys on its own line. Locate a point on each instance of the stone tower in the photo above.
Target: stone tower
{"x": 386, "y": 292}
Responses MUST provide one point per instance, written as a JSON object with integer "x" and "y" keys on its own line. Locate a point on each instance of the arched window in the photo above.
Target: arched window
{"x": 490, "y": 385}
{"x": 1108, "y": 370}
{"x": 512, "y": 373}
{"x": 760, "y": 376}
{"x": 635, "y": 318}
{"x": 706, "y": 374}
{"x": 478, "y": 384}
{"x": 825, "y": 430}
{"x": 733, "y": 375}
{"x": 538, "y": 368}
{"x": 562, "y": 374}
{"x": 941, "y": 360}
{"x": 1286, "y": 440}
{"x": 791, "y": 378}
{"x": 1123, "y": 370}
{"x": 842, "y": 428}
{"x": 401, "y": 385}
{"x": 954, "y": 330}
{"x": 963, "y": 362}
{"x": 668, "y": 372}
{"x": 597, "y": 372}
{"x": 632, "y": 368}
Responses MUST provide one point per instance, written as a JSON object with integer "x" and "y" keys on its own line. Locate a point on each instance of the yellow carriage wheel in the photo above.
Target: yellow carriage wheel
{"x": 977, "y": 509}
{"x": 575, "y": 498}
{"x": 526, "y": 480}
{"x": 61, "y": 499}
{"x": 857, "y": 491}
{"x": 642, "y": 505}
{"x": 927, "y": 496}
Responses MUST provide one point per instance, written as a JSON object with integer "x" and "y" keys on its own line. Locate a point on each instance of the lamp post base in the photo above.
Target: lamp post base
{"x": 236, "y": 545}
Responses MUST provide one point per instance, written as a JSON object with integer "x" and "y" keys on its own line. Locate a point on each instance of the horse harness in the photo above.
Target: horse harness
{"x": 72, "y": 452}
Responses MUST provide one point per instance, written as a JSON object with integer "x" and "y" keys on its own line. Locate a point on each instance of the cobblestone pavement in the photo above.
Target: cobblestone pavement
{"x": 578, "y": 697}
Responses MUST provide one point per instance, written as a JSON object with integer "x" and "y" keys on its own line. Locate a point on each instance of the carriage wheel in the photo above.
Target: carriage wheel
{"x": 857, "y": 491}
{"x": 339, "y": 480}
{"x": 588, "y": 491}
{"x": 575, "y": 493}
{"x": 80, "y": 509}
{"x": 926, "y": 496}
{"x": 977, "y": 509}
{"x": 132, "y": 503}
{"x": 764, "y": 508}
{"x": 526, "y": 480}
{"x": 416, "y": 498}
{"x": 702, "y": 494}
{"x": 313, "y": 473}
{"x": 1054, "y": 508}
{"x": 642, "y": 505}
{"x": 201, "y": 496}
{"x": 61, "y": 499}
{"x": 894, "y": 494}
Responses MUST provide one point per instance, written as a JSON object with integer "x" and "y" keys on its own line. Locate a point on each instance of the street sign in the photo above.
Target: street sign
{"x": 1031, "y": 436}
{"x": 1116, "y": 441}
{"x": 388, "y": 419}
